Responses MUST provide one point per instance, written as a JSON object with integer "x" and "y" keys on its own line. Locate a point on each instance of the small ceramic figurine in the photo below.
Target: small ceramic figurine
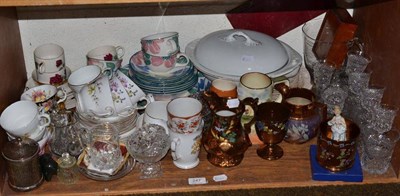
{"x": 338, "y": 125}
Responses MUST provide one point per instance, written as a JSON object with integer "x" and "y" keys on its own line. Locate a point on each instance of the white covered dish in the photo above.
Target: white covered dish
{"x": 237, "y": 51}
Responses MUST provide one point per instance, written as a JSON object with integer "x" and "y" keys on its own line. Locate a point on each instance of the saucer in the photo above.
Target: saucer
{"x": 142, "y": 68}
{"x": 67, "y": 73}
{"x": 124, "y": 168}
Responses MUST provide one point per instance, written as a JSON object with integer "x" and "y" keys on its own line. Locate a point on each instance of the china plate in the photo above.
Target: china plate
{"x": 126, "y": 169}
{"x": 140, "y": 67}
{"x": 293, "y": 63}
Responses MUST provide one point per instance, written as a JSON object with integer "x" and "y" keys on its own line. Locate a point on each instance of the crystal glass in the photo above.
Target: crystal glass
{"x": 371, "y": 96}
{"x": 358, "y": 81}
{"x": 333, "y": 96}
{"x": 357, "y": 61}
{"x": 384, "y": 116}
{"x": 104, "y": 150}
{"x": 323, "y": 73}
{"x": 378, "y": 150}
{"x": 148, "y": 145}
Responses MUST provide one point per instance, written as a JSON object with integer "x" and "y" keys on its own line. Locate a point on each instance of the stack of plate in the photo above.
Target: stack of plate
{"x": 175, "y": 81}
{"x": 124, "y": 124}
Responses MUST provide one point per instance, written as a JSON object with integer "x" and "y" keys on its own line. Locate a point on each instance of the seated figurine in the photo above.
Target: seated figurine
{"x": 338, "y": 125}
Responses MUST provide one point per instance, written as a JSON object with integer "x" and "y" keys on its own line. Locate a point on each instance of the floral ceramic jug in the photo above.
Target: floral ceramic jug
{"x": 306, "y": 113}
{"x": 226, "y": 140}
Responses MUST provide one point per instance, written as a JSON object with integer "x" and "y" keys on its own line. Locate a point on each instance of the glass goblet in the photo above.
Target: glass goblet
{"x": 148, "y": 145}
{"x": 270, "y": 121}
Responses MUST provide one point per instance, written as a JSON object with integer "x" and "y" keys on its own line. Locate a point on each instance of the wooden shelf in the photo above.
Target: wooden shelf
{"x": 292, "y": 170}
{"x": 18, "y": 3}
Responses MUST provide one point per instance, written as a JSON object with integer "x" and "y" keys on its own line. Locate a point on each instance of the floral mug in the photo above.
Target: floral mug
{"x": 184, "y": 115}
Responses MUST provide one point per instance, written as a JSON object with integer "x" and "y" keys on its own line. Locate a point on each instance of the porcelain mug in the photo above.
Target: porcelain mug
{"x": 257, "y": 85}
{"x": 106, "y": 57}
{"x": 49, "y": 58}
{"x": 184, "y": 115}
{"x": 165, "y": 63}
{"x": 185, "y": 148}
{"x": 161, "y": 44}
{"x": 224, "y": 88}
{"x": 22, "y": 118}
{"x": 156, "y": 113}
{"x": 47, "y": 97}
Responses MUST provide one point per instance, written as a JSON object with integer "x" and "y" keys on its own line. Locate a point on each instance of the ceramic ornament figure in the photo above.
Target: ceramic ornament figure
{"x": 338, "y": 125}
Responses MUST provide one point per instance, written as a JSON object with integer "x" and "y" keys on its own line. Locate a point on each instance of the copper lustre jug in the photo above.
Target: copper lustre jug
{"x": 306, "y": 113}
{"x": 226, "y": 140}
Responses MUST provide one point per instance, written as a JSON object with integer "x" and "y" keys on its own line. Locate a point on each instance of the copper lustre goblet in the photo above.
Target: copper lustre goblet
{"x": 270, "y": 125}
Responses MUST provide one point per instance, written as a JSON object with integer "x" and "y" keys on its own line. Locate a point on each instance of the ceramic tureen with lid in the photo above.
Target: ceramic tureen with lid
{"x": 237, "y": 51}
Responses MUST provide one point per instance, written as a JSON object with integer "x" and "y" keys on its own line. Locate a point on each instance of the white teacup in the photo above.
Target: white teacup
{"x": 156, "y": 113}
{"x": 95, "y": 98}
{"x": 106, "y": 53}
{"x": 185, "y": 148}
{"x": 47, "y": 97}
{"x": 22, "y": 118}
{"x": 120, "y": 97}
{"x": 49, "y": 58}
{"x": 92, "y": 91}
{"x": 161, "y": 44}
{"x": 84, "y": 76}
{"x": 257, "y": 85}
{"x": 106, "y": 57}
{"x": 135, "y": 94}
{"x": 184, "y": 115}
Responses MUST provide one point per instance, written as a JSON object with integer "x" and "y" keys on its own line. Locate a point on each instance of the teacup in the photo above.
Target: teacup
{"x": 95, "y": 98}
{"x": 224, "y": 88}
{"x": 106, "y": 57}
{"x": 84, "y": 76}
{"x": 156, "y": 113}
{"x": 184, "y": 115}
{"x": 49, "y": 58}
{"x": 120, "y": 97}
{"x": 185, "y": 148}
{"x": 257, "y": 85}
{"x": 106, "y": 53}
{"x": 165, "y": 63}
{"x": 136, "y": 94}
{"x": 47, "y": 97}
{"x": 22, "y": 118}
{"x": 92, "y": 91}
{"x": 161, "y": 44}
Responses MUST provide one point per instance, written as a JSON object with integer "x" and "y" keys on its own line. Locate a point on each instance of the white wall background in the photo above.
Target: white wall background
{"x": 78, "y": 36}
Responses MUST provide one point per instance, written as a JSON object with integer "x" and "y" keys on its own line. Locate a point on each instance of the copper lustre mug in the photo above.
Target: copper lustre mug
{"x": 333, "y": 154}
